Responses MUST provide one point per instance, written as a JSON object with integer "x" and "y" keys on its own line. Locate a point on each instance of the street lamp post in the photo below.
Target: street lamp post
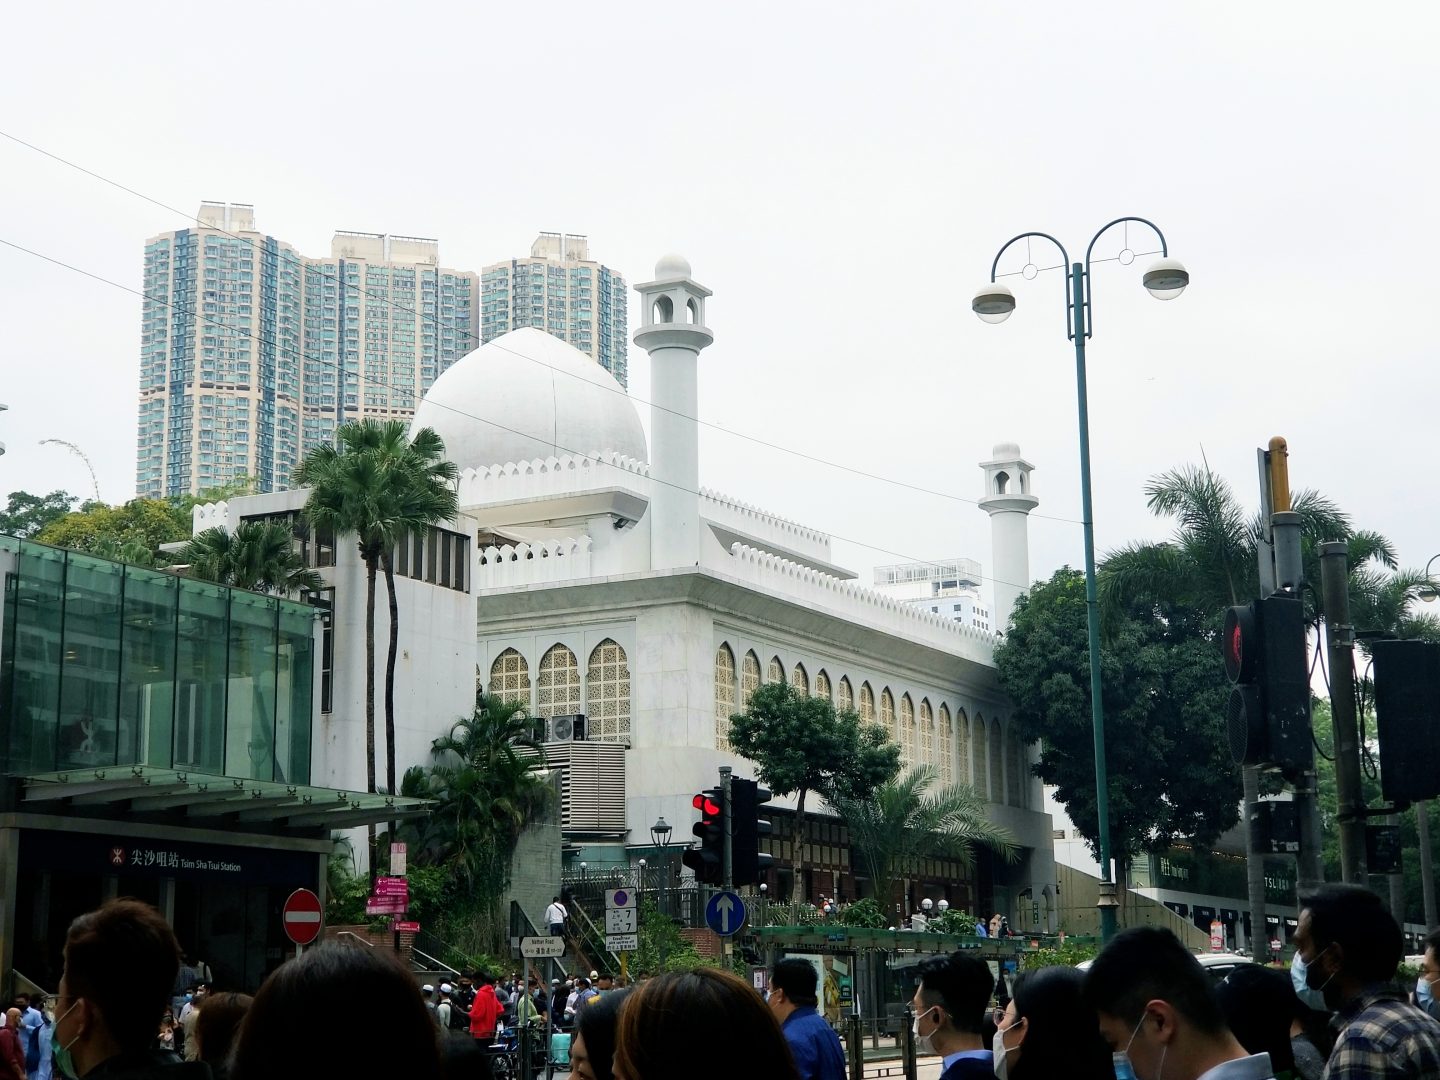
{"x": 1164, "y": 280}
{"x": 660, "y": 836}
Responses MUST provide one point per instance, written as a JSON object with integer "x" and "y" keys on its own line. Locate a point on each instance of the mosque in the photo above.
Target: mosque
{"x": 592, "y": 577}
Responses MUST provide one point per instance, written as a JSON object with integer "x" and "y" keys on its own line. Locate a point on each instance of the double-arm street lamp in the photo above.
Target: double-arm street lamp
{"x": 1165, "y": 280}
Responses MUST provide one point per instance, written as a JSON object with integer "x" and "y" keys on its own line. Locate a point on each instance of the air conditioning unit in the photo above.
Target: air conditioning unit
{"x": 567, "y": 728}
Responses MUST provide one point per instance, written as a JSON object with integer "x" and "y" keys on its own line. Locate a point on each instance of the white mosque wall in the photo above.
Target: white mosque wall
{"x": 763, "y": 526}
{"x": 548, "y": 478}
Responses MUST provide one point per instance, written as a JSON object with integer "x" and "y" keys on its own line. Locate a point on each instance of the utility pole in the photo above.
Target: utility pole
{"x": 1427, "y": 873}
{"x": 1340, "y": 642}
{"x": 727, "y": 862}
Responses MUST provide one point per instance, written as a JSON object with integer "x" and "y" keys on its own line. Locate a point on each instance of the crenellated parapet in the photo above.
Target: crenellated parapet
{"x": 540, "y": 563}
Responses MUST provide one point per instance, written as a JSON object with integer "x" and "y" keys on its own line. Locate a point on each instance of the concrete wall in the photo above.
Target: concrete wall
{"x": 1078, "y": 914}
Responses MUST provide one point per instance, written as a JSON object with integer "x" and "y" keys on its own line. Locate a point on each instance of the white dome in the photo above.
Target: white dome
{"x": 672, "y": 266}
{"x": 528, "y": 395}
{"x": 1006, "y": 450}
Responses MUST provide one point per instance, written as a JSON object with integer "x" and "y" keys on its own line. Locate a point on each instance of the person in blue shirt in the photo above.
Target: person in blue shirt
{"x": 813, "y": 1042}
{"x": 949, "y": 1006}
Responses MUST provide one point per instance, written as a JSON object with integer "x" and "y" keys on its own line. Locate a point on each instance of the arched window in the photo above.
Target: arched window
{"x": 962, "y": 748}
{"x": 1014, "y": 768}
{"x": 800, "y": 680}
{"x": 557, "y": 684}
{"x": 664, "y": 310}
{"x": 927, "y": 733}
{"x": 887, "y": 718}
{"x": 947, "y": 758}
{"x": 724, "y": 695}
{"x": 867, "y": 703}
{"x": 749, "y": 677}
{"x": 692, "y": 311}
{"x": 510, "y": 678}
{"x": 981, "y": 759}
{"x": 844, "y": 695}
{"x": 997, "y": 763}
{"x": 822, "y": 685}
{"x": 907, "y": 730}
{"x": 776, "y": 671}
{"x": 1002, "y": 480}
{"x": 607, "y": 694}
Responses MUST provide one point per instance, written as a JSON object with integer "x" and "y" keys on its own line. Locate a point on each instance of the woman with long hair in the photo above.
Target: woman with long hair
{"x": 1047, "y": 1030}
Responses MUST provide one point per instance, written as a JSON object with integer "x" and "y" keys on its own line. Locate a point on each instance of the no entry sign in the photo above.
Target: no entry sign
{"x": 302, "y": 917}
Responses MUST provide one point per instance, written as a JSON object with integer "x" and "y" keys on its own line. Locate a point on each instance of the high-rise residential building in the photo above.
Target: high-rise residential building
{"x": 560, "y": 289}
{"x": 251, "y": 353}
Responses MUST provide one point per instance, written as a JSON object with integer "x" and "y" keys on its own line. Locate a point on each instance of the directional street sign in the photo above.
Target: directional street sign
{"x": 725, "y": 913}
{"x": 618, "y": 943}
{"x": 620, "y": 921}
{"x": 542, "y": 948}
{"x": 619, "y": 898}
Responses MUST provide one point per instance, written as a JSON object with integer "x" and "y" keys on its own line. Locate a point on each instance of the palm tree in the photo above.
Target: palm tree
{"x": 1211, "y": 563}
{"x": 258, "y": 555}
{"x": 908, "y": 818}
{"x": 370, "y": 485}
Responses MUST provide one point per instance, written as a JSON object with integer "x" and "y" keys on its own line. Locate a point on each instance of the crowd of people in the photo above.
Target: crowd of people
{"x": 1145, "y": 1010}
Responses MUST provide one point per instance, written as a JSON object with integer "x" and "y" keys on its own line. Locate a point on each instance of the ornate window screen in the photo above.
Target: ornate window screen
{"x": 607, "y": 679}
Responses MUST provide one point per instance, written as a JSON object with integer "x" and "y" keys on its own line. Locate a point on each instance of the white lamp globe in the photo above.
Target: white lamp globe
{"x": 1166, "y": 279}
{"x": 993, "y": 303}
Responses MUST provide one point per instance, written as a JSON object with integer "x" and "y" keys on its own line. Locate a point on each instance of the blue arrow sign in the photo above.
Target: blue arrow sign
{"x": 725, "y": 913}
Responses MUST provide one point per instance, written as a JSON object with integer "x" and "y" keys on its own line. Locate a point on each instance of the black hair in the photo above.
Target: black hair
{"x": 276, "y": 1039}
{"x": 1145, "y": 963}
{"x": 1432, "y": 944}
{"x": 1357, "y": 920}
{"x": 961, "y": 985}
{"x": 798, "y": 979}
{"x": 596, "y": 1024}
{"x": 1062, "y": 1036}
{"x": 123, "y": 958}
{"x": 1258, "y": 1004}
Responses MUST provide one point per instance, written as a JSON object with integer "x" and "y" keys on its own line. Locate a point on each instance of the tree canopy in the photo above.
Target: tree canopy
{"x": 258, "y": 555}
{"x": 26, "y": 514}
{"x": 800, "y": 744}
{"x": 1170, "y": 771}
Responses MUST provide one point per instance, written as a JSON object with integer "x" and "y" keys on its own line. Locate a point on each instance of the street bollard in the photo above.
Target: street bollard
{"x": 855, "y": 1045}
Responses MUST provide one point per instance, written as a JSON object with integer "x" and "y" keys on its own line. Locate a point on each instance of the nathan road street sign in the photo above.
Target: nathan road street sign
{"x": 302, "y": 917}
{"x": 542, "y": 948}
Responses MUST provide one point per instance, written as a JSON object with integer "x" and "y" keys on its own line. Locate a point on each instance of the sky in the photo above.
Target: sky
{"x": 841, "y": 175}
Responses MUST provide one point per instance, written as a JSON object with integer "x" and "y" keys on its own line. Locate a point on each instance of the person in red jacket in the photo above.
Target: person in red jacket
{"x": 485, "y": 1012}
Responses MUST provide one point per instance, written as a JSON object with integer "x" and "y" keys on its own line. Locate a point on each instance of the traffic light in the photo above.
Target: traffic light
{"x": 747, "y": 862}
{"x": 1268, "y": 714}
{"x": 708, "y": 859}
{"x": 1407, "y": 718}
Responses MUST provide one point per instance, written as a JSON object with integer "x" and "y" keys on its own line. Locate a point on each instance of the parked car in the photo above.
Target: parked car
{"x": 1216, "y": 964}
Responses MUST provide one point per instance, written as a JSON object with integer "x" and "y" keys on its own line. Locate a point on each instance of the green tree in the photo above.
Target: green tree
{"x": 258, "y": 555}
{"x": 25, "y": 514}
{"x": 908, "y": 818}
{"x": 1166, "y": 748}
{"x": 379, "y": 486}
{"x": 800, "y": 744}
{"x": 1210, "y": 563}
{"x": 131, "y": 533}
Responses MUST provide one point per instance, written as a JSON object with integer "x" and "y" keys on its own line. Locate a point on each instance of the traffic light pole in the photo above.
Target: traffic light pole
{"x": 1340, "y": 642}
{"x": 727, "y": 862}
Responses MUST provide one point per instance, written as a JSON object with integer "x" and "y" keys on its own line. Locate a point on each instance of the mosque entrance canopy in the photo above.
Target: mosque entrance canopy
{"x": 207, "y": 800}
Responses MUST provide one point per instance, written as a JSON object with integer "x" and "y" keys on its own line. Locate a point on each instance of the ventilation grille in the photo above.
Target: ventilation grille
{"x": 592, "y": 786}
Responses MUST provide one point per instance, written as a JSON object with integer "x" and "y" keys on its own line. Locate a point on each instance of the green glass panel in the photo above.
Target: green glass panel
{"x": 296, "y": 695}
{"x": 200, "y": 676}
{"x": 147, "y": 687}
{"x": 90, "y": 664}
{"x": 250, "y": 724}
{"x": 35, "y": 693}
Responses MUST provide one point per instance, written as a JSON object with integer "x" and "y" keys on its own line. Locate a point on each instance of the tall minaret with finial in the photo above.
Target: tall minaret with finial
{"x": 672, "y": 330}
{"x": 1008, "y": 500}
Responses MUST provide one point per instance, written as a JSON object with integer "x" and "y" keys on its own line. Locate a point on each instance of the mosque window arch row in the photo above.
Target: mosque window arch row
{"x": 586, "y": 672}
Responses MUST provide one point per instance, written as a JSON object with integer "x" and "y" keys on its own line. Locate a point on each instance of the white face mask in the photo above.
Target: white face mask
{"x": 999, "y": 1050}
{"x": 924, "y": 1044}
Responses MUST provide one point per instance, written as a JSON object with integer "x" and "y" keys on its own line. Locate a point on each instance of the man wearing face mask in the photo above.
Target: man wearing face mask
{"x": 1347, "y": 947}
{"x": 1159, "y": 1014}
{"x": 1428, "y": 985}
{"x": 793, "y": 997}
{"x": 949, "y": 1009}
{"x": 120, "y": 966}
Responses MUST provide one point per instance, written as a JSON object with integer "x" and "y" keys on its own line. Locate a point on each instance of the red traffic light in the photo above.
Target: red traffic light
{"x": 1241, "y": 643}
{"x": 706, "y": 805}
